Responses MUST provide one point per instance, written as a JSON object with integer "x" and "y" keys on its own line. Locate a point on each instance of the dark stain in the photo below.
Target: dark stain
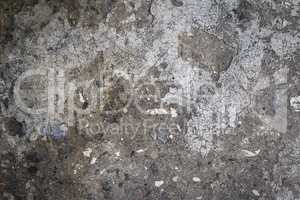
{"x": 73, "y": 8}
{"x": 177, "y": 3}
{"x": 32, "y": 170}
{"x": 117, "y": 96}
{"x": 85, "y": 105}
{"x": 33, "y": 157}
{"x": 153, "y": 169}
{"x": 243, "y": 14}
{"x": 207, "y": 51}
{"x": 14, "y": 127}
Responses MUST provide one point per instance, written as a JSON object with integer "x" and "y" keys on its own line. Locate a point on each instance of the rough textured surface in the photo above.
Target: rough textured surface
{"x": 149, "y": 99}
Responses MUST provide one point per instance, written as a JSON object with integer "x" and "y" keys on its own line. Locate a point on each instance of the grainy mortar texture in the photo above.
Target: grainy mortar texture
{"x": 149, "y": 99}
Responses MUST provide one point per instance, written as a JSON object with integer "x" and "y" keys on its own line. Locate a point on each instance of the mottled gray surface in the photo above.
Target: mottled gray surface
{"x": 149, "y": 99}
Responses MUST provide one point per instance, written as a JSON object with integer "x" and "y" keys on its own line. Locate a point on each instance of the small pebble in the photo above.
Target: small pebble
{"x": 93, "y": 161}
{"x": 175, "y": 178}
{"x": 196, "y": 179}
{"x": 140, "y": 151}
{"x": 87, "y": 152}
{"x": 255, "y": 192}
{"x": 158, "y": 183}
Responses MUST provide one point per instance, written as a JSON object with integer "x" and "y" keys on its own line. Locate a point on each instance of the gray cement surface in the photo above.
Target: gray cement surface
{"x": 149, "y": 99}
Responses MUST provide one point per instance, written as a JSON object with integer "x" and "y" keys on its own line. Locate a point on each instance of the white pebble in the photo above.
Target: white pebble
{"x": 196, "y": 179}
{"x": 255, "y": 192}
{"x": 140, "y": 151}
{"x": 158, "y": 183}
{"x": 93, "y": 161}
{"x": 175, "y": 178}
{"x": 87, "y": 152}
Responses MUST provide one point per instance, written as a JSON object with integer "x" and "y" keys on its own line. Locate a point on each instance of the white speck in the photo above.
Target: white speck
{"x": 117, "y": 153}
{"x": 255, "y": 192}
{"x": 81, "y": 99}
{"x": 178, "y": 127}
{"x": 140, "y": 151}
{"x": 158, "y": 111}
{"x": 122, "y": 139}
{"x": 75, "y": 171}
{"x": 247, "y": 153}
{"x": 171, "y": 137}
{"x": 102, "y": 171}
{"x": 87, "y": 152}
{"x": 176, "y": 168}
{"x": 196, "y": 179}
{"x": 175, "y": 178}
{"x": 173, "y": 112}
{"x": 199, "y": 198}
{"x": 158, "y": 183}
{"x": 93, "y": 161}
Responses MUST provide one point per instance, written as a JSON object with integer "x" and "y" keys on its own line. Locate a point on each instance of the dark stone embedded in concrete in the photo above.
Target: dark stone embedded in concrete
{"x": 206, "y": 49}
